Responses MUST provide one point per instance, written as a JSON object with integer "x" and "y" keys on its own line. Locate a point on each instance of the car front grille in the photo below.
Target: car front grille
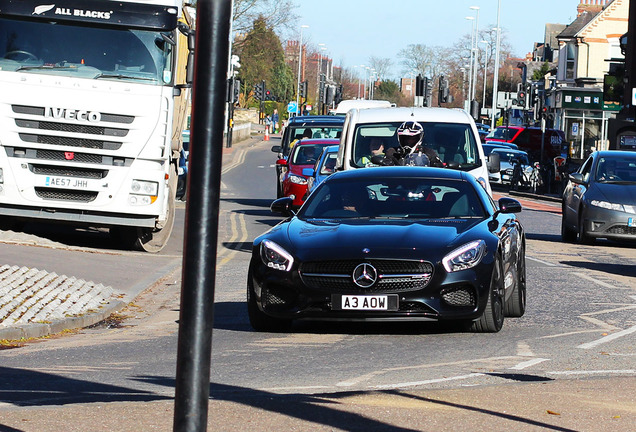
{"x": 459, "y": 296}
{"x": 65, "y": 195}
{"x": 622, "y": 230}
{"x": 393, "y": 276}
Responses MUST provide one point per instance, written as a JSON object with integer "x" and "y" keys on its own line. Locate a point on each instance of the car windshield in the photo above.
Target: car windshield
{"x": 94, "y": 52}
{"x": 396, "y": 198}
{"x": 328, "y": 163}
{"x": 301, "y": 132}
{"x": 503, "y": 133}
{"x": 508, "y": 157}
{"x": 453, "y": 142}
{"x": 614, "y": 170}
{"x": 307, "y": 154}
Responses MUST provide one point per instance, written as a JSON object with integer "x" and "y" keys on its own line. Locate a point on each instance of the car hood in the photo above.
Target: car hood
{"x": 360, "y": 238}
{"x": 613, "y": 192}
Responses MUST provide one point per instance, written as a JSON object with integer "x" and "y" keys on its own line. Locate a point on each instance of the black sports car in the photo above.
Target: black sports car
{"x": 391, "y": 243}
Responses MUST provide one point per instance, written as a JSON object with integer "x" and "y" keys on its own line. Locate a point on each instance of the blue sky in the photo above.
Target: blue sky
{"x": 354, "y": 30}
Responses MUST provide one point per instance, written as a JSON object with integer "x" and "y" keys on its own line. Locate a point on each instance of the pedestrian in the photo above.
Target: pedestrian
{"x": 275, "y": 121}
{"x": 268, "y": 122}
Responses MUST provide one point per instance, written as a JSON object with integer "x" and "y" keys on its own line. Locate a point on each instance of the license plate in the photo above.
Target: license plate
{"x": 65, "y": 182}
{"x": 365, "y": 302}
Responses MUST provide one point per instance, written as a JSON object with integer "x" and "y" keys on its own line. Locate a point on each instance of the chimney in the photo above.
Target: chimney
{"x": 592, "y": 6}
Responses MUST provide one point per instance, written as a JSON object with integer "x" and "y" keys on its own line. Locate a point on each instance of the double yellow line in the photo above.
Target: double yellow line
{"x": 238, "y": 227}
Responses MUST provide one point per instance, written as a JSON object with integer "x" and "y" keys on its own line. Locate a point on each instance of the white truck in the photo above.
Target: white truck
{"x": 94, "y": 99}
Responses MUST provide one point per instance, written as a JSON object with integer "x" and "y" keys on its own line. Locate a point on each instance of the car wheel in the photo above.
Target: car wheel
{"x": 260, "y": 321}
{"x": 584, "y": 238}
{"x": 492, "y": 319}
{"x": 568, "y": 235}
{"x": 516, "y": 304}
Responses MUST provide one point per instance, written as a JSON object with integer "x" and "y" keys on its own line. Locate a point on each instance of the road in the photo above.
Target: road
{"x": 579, "y": 325}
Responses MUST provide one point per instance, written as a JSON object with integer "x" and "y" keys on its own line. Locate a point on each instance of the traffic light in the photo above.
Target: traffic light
{"x": 268, "y": 95}
{"x": 258, "y": 92}
{"x": 419, "y": 85}
{"x": 236, "y": 90}
{"x": 521, "y": 98}
{"x": 303, "y": 89}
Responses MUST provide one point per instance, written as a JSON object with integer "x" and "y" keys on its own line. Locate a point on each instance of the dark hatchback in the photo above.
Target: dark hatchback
{"x": 599, "y": 200}
{"x": 391, "y": 243}
{"x": 300, "y": 127}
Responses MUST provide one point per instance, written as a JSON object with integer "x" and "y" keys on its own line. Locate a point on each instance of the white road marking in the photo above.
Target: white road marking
{"x": 529, "y": 363}
{"x": 432, "y": 381}
{"x": 608, "y": 338}
{"x": 523, "y": 350}
{"x": 549, "y": 264}
{"x": 596, "y": 281}
{"x": 596, "y": 372}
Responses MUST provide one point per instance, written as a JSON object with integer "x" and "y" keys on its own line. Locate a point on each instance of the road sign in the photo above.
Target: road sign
{"x": 292, "y": 107}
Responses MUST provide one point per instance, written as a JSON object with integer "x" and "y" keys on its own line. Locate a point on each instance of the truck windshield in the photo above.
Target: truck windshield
{"x": 454, "y": 142}
{"x": 80, "y": 51}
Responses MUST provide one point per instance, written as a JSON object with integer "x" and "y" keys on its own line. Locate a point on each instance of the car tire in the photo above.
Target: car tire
{"x": 260, "y": 321}
{"x": 584, "y": 238}
{"x": 568, "y": 235}
{"x": 515, "y": 306}
{"x": 491, "y": 321}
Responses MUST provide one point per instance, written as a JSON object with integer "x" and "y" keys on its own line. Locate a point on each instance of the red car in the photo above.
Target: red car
{"x": 303, "y": 155}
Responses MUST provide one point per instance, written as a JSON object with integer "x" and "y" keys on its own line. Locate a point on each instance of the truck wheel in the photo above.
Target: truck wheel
{"x": 150, "y": 240}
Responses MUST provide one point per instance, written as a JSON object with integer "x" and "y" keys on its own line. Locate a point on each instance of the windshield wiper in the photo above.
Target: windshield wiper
{"x": 122, "y": 76}
{"x": 43, "y": 67}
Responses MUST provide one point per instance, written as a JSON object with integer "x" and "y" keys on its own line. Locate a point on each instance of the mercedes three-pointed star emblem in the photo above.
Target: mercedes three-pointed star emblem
{"x": 365, "y": 275}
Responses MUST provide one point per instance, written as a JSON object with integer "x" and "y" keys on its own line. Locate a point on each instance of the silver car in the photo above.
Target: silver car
{"x": 600, "y": 199}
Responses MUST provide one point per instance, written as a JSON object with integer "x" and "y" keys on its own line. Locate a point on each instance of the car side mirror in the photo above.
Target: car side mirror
{"x": 281, "y": 162}
{"x": 283, "y": 206}
{"x": 494, "y": 163}
{"x": 308, "y": 172}
{"x": 576, "y": 178}
{"x": 277, "y": 149}
{"x": 509, "y": 205}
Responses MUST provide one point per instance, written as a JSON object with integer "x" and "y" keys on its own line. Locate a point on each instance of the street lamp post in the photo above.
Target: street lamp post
{"x": 321, "y": 47}
{"x": 470, "y": 70}
{"x": 496, "y": 74}
{"x": 483, "y": 99}
{"x": 300, "y": 60}
{"x": 475, "y": 60}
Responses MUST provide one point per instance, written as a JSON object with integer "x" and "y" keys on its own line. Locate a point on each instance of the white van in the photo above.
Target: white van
{"x": 450, "y": 132}
{"x": 344, "y": 106}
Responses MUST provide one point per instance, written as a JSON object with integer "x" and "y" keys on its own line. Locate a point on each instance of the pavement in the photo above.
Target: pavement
{"x": 526, "y": 404}
{"x": 38, "y": 302}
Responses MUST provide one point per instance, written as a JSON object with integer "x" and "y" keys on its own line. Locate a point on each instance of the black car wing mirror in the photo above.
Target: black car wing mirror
{"x": 577, "y": 178}
{"x": 283, "y": 206}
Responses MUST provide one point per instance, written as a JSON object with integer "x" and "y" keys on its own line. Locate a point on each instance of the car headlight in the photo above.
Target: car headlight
{"x": 276, "y": 257}
{"x": 465, "y": 257}
{"x": 297, "y": 179}
{"x": 614, "y": 206}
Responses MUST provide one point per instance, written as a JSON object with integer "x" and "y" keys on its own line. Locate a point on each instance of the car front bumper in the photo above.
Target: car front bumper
{"x": 611, "y": 224}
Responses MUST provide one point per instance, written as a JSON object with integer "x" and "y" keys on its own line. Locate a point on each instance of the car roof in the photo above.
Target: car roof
{"x": 313, "y": 141}
{"x": 508, "y": 150}
{"x": 308, "y": 120}
{"x": 437, "y": 115}
{"x": 400, "y": 171}
{"x": 616, "y": 154}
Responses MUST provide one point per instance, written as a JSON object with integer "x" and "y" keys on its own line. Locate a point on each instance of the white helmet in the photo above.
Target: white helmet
{"x": 410, "y": 134}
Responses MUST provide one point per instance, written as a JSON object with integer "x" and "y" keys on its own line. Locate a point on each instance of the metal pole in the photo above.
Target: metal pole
{"x": 476, "y": 60}
{"x": 470, "y": 65}
{"x": 300, "y": 61}
{"x": 495, "y": 84}
{"x": 192, "y": 387}
{"x": 483, "y": 99}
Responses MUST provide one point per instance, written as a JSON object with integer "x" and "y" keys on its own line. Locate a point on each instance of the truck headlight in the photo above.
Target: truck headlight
{"x": 144, "y": 187}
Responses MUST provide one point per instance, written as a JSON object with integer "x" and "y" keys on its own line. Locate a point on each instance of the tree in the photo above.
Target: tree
{"x": 388, "y": 90}
{"x": 263, "y": 58}
{"x": 421, "y": 59}
{"x": 278, "y": 14}
{"x": 538, "y": 74}
{"x": 382, "y": 66}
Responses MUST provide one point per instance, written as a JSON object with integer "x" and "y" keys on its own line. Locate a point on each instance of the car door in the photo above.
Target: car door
{"x": 574, "y": 194}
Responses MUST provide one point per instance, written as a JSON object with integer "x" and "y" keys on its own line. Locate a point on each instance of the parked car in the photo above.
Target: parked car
{"x": 489, "y": 146}
{"x": 599, "y": 200}
{"x": 302, "y": 127}
{"x": 325, "y": 166}
{"x": 391, "y": 243}
{"x": 529, "y": 140}
{"x": 304, "y": 155}
{"x": 506, "y": 158}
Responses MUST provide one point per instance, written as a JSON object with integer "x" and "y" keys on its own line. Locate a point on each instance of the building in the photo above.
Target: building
{"x": 575, "y": 92}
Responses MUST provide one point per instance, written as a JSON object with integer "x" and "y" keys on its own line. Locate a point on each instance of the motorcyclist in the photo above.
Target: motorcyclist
{"x": 412, "y": 151}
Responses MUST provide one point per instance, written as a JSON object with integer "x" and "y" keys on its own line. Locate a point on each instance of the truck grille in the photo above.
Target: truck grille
{"x": 65, "y": 195}
{"x": 393, "y": 275}
{"x": 68, "y": 171}
{"x": 70, "y": 142}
